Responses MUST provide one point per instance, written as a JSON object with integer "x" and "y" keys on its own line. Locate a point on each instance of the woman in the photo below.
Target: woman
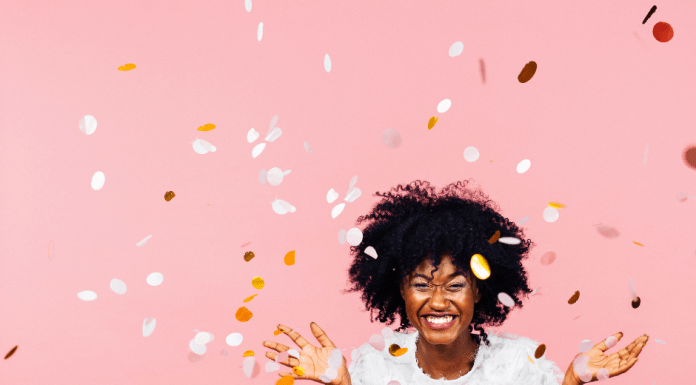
{"x": 424, "y": 274}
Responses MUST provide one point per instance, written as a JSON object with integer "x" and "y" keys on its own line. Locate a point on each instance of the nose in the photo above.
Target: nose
{"x": 438, "y": 301}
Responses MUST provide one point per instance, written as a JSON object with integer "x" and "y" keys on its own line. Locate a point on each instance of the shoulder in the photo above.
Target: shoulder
{"x": 374, "y": 364}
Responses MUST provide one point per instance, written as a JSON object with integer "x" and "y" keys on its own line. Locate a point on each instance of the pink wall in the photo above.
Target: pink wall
{"x": 604, "y": 90}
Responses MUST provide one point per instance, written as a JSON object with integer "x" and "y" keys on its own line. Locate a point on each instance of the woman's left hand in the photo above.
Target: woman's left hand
{"x": 615, "y": 364}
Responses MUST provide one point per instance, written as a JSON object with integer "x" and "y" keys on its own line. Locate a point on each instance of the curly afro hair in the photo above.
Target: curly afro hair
{"x": 413, "y": 222}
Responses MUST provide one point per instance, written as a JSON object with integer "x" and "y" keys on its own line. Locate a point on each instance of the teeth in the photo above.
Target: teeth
{"x": 439, "y": 320}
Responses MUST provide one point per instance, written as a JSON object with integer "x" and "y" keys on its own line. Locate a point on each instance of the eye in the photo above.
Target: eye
{"x": 457, "y": 286}
{"x": 420, "y": 286}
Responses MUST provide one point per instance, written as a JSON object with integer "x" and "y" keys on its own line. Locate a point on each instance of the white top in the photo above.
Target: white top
{"x": 505, "y": 362}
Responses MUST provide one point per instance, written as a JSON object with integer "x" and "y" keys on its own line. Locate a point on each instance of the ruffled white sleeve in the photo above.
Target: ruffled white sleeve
{"x": 369, "y": 368}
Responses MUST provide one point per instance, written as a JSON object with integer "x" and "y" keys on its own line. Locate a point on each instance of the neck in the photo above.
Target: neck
{"x": 450, "y": 361}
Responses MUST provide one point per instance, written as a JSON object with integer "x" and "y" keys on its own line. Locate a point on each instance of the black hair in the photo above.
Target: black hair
{"x": 415, "y": 221}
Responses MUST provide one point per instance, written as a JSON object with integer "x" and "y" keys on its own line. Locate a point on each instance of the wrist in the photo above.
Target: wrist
{"x": 571, "y": 378}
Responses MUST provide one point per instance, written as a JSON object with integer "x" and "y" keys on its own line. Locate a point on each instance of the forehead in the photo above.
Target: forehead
{"x": 445, "y": 269}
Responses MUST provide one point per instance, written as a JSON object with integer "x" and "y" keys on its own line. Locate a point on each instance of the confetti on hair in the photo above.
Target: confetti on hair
{"x": 249, "y": 255}
{"x": 369, "y": 250}
{"x": 206, "y": 127}
{"x": 574, "y": 298}
{"x": 639, "y": 244}
{"x": 527, "y": 72}
{"x": 243, "y": 314}
{"x": 11, "y": 352}
{"x": 506, "y": 300}
{"x": 479, "y": 265}
{"x": 432, "y": 122}
{"x": 540, "y": 350}
{"x": 289, "y": 258}
{"x": 495, "y": 237}
{"x": 127, "y": 67}
{"x": 249, "y": 298}
{"x": 510, "y": 240}
{"x": 557, "y": 205}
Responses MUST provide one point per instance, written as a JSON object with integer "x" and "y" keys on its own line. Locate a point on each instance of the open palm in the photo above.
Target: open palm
{"x": 615, "y": 363}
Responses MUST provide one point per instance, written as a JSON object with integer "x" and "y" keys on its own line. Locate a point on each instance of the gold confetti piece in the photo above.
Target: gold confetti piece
{"x": 393, "y": 348}
{"x": 495, "y": 237}
{"x": 206, "y": 127}
{"x": 400, "y": 352}
{"x": 11, "y": 352}
{"x": 540, "y": 350}
{"x": 169, "y": 195}
{"x": 432, "y": 122}
{"x": 530, "y": 360}
{"x": 248, "y": 353}
{"x": 636, "y": 302}
{"x": 289, "y": 258}
{"x": 527, "y": 72}
{"x": 480, "y": 267}
{"x": 275, "y": 333}
{"x": 574, "y": 298}
{"x": 250, "y": 298}
{"x": 298, "y": 370}
{"x": 557, "y": 205}
{"x": 126, "y": 67}
{"x": 257, "y": 283}
{"x": 249, "y": 255}
{"x": 639, "y": 244}
{"x": 287, "y": 380}
{"x": 243, "y": 314}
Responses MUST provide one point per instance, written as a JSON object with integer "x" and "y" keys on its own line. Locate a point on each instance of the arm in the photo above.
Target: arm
{"x": 570, "y": 377}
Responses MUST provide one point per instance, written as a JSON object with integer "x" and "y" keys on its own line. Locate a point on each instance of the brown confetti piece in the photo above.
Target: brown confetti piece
{"x": 636, "y": 302}
{"x": 480, "y": 267}
{"x": 169, "y": 195}
{"x": 193, "y": 357}
{"x": 257, "y": 283}
{"x": 393, "y": 348}
{"x": 540, "y": 350}
{"x": 126, "y": 67}
{"x": 250, "y": 298}
{"x": 576, "y": 318}
{"x": 557, "y": 205}
{"x": 298, "y": 370}
{"x": 530, "y": 360}
{"x": 527, "y": 72}
{"x": 275, "y": 333}
{"x": 432, "y": 122}
{"x": 639, "y": 244}
{"x": 249, "y": 255}
{"x": 495, "y": 237}
{"x": 689, "y": 157}
{"x": 243, "y": 314}
{"x": 248, "y": 353}
{"x": 482, "y": 66}
{"x": 287, "y": 380}
{"x": 11, "y": 352}
{"x": 289, "y": 258}
{"x": 574, "y": 298}
{"x": 206, "y": 127}
{"x": 51, "y": 250}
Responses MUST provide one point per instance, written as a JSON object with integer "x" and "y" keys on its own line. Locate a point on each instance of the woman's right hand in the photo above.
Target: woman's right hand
{"x": 313, "y": 360}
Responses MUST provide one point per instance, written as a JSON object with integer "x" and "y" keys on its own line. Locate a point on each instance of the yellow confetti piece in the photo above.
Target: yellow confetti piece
{"x": 298, "y": 370}
{"x": 248, "y": 353}
{"x": 287, "y": 380}
{"x": 126, "y": 67}
{"x": 574, "y": 298}
{"x": 257, "y": 283}
{"x": 275, "y": 333}
{"x": 432, "y": 122}
{"x": 250, "y": 298}
{"x": 557, "y": 205}
{"x": 206, "y": 127}
{"x": 400, "y": 352}
{"x": 289, "y": 258}
{"x": 540, "y": 350}
{"x": 249, "y": 255}
{"x": 243, "y": 314}
{"x": 639, "y": 244}
{"x": 480, "y": 267}
{"x": 530, "y": 360}
{"x": 495, "y": 237}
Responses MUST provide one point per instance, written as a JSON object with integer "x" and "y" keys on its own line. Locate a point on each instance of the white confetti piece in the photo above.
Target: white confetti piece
{"x": 534, "y": 291}
{"x": 197, "y": 348}
{"x": 274, "y": 120}
{"x": 149, "y": 326}
{"x": 369, "y": 250}
{"x": 201, "y": 146}
{"x": 144, "y": 241}
{"x": 506, "y": 300}
{"x": 275, "y": 176}
{"x": 202, "y": 338}
{"x": 342, "y": 236}
{"x": 353, "y": 181}
{"x": 155, "y": 279}
{"x": 377, "y": 342}
{"x": 523, "y": 166}
{"x": 212, "y": 337}
{"x": 550, "y": 214}
{"x": 355, "y": 355}
{"x": 522, "y": 221}
{"x": 327, "y": 63}
{"x": 580, "y": 363}
{"x": 585, "y": 346}
{"x": 258, "y": 149}
{"x": 586, "y": 375}
{"x": 471, "y": 154}
{"x": 250, "y": 367}
{"x": 118, "y": 286}
{"x": 272, "y": 366}
{"x": 354, "y": 236}
{"x": 87, "y": 295}
{"x": 444, "y": 105}
{"x": 259, "y": 32}
{"x": 98, "y": 180}
{"x": 331, "y": 196}
{"x": 209, "y": 147}
{"x": 307, "y": 147}
{"x": 353, "y": 194}
{"x": 282, "y": 207}
{"x": 391, "y": 138}
{"x": 659, "y": 341}
{"x": 294, "y": 353}
{"x": 611, "y": 341}
{"x": 335, "y": 359}
{"x": 324, "y": 379}
{"x": 252, "y": 135}
{"x": 88, "y": 124}
{"x": 387, "y": 333}
{"x": 234, "y": 339}
{"x": 330, "y": 374}
{"x": 273, "y": 134}
{"x": 456, "y": 49}
{"x": 602, "y": 374}
{"x": 509, "y": 240}
{"x": 337, "y": 210}
{"x": 262, "y": 176}
{"x": 247, "y": 5}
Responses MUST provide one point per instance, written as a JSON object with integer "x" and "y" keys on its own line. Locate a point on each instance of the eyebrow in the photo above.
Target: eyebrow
{"x": 450, "y": 276}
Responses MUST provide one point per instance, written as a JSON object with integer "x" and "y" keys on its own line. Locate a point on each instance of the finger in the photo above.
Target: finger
{"x": 288, "y": 374}
{"x": 638, "y": 347}
{"x": 623, "y": 368}
{"x": 295, "y": 336}
{"x": 603, "y": 346}
{"x": 321, "y": 336}
{"x": 276, "y": 346}
{"x": 290, "y": 361}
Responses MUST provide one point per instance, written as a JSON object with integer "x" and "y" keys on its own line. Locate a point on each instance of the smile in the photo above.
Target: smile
{"x": 439, "y": 322}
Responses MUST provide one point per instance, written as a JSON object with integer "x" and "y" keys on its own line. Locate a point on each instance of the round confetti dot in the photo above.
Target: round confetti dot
{"x": 387, "y": 333}
{"x": 327, "y": 63}
{"x": 471, "y": 154}
{"x": 540, "y": 350}
{"x": 548, "y": 258}
{"x": 391, "y": 138}
{"x": 355, "y": 354}
{"x": 259, "y": 32}
{"x": 335, "y": 359}
{"x": 87, "y": 295}
{"x": 610, "y": 342}
{"x": 289, "y": 258}
{"x": 506, "y": 300}
{"x": 608, "y": 232}
{"x": 585, "y": 346}
{"x": 298, "y": 370}
{"x": 249, "y": 255}
{"x": 510, "y": 240}
{"x": 580, "y": 363}
{"x": 523, "y": 166}
{"x": 257, "y": 283}
{"x": 257, "y": 150}
{"x": 287, "y": 380}
{"x": 88, "y": 124}
{"x": 342, "y": 236}
{"x": 369, "y": 250}
{"x": 234, "y": 339}
{"x": 550, "y": 214}
{"x": 574, "y": 298}
{"x": 354, "y": 236}
{"x": 377, "y": 342}
{"x": 527, "y": 72}
{"x": 586, "y": 376}
{"x": 98, "y": 180}
{"x": 456, "y": 49}
{"x": 444, "y": 105}
{"x": 689, "y": 157}
{"x": 118, "y": 286}
{"x": 330, "y": 374}
{"x": 294, "y": 353}
{"x": 247, "y": 5}
{"x": 202, "y": 338}
{"x": 393, "y": 348}
{"x": 282, "y": 356}
{"x": 243, "y": 314}
{"x": 197, "y": 348}
{"x": 155, "y": 279}
{"x": 663, "y": 32}
{"x": 252, "y": 135}
{"x": 271, "y": 366}
{"x": 149, "y": 326}
{"x": 479, "y": 265}
{"x": 602, "y": 374}
{"x": 337, "y": 210}
{"x": 307, "y": 148}
{"x": 250, "y": 367}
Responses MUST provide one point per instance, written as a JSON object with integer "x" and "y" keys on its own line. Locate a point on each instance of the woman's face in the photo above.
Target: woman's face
{"x": 440, "y": 308}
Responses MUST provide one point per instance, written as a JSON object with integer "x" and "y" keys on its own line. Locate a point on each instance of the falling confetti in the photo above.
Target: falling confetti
{"x": 540, "y": 350}
{"x": 635, "y": 303}
{"x": 149, "y": 326}
{"x": 548, "y": 257}
{"x": 259, "y": 31}
{"x": 197, "y": 348}
{"x": 574, "y": 298}
{"x": 282, "y": 207}
{"x": 224, "y": 353}
{"x": 377, "y": 342}
{"x": 608, "y": 232}
{"x": 248, "y": 256}
{"x": 682, "y": 197}
{"x": 391, "y": 138}
{"x": 234, "y": 339}
{"x": 639, "y": 244}
{"x": 456, "y": 49}
{"x": 246, "y": 244}
{"x": 258, "y": 283}
{"x": 586, "y": 376}
{"x": 243, "y": 314}
{"x": 287, "y": 380}
{"x": 471, "y": 154}
{"x": 585, "y": 346}
{"x": 576, "y": 317}
{"x": 275, "y": 176}
{"x": 248, "y": 353}
{"x": 659, "y": 341}
{"x": 482, "y": 65}
{"x": 144, "y": 241}
{"x": 307, "y": 147}
{"x": 557, "y": 205}
{"x": 527, "y": 72}
{"x": 534, "y": 291}
{"x": 51, "y": 249}
{"x": 495, "y": 237}
{"x": 689, "y": 157}
{"x": 342, "y": 236}
{"x": 550, "y": 214}
{"x": 506, "y": 300}
{"x": 327, "y": 63}
{"x": 88, "y": 124}
{"x": 294, "y": 353}
{"x": 353, "y": 194}
{"x": 355, "y": 354}
{"x": 201, "y": 146}
{"x": 247, "y": 299}
{"x": 11, "y": 352}
{"x": 387, "y": 332}
{"x": 353, "y": 181}
{"x": 87, "y": 295}
{"x": 169, "y": 195}
{"x": 202, "y": 338}
{"x": 252, "y": 135}
{"x": 273, "y": 134}
{"x": 257, "y": 150}
{"x": 250, "y": 367}
{"x": 271, "y": 366}
{"x": 118, "y": 286}
{"x": 369, "y": 250}
{"x": 289, "y": 258}
{"x": 275, "y": 333}
{"x": 247, "y": 5}
{"x": 274, "y": 120}
{"x": 663, "y": 32}
{"x": 262, "y": 176}
{"x": 510, "y": 240}
{"x": 127, "y": 67}
{"x": 331, "y": 196}
{"x": 522, "y": 221}
{"x": 432, "y": 122}
{"x": 479, "y": 265}
{"x": 393, "y": 382}
{"x": 98, "y": 180}
{"x": 206, "y": 127}
{"x": 523, "y": 166}
{"x": 337, "y": 210}
{"x": 354, "y": 236}
{"x": 444, "y": 105}
{"x": 602, "y": 374}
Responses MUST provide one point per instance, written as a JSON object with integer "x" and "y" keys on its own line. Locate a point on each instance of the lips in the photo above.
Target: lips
{"x": 441, "y": 325}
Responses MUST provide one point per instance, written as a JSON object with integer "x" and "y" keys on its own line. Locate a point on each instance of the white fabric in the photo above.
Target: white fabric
{"x": 504, "y": 362}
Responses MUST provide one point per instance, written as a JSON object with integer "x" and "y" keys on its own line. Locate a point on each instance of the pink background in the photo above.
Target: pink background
{"x": 604, "y": 90}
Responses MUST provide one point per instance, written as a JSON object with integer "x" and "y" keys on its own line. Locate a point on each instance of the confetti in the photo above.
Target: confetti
{"x": 557, "y": 205}
{"x": 610, "y": 342}
{"x": 550, "y": 214}
{"x": 257, "y": 283}
{"x": 608, "y": 232}
{"x": 234, "y": 339}
{"x": 202, "y": 338}
{"x": 243, "y": 314}
{"x": 353, "y": 194}
{"x": 510, "y": 240}
{"x": 342, "y": 236}
{"x": 523, "y": 166}
{"x": 393, "y": 382}
{"x": 580, "y": 363}
{"x": 51, "y": 249}
{"x": 250, "y": 367}
{"x": 659, "y": 341}
{"x": 335, "y": 359}
{"x": 287, "y": 380}
{"x": 282, "y": 356}
{"x": 471, "y": 154}
{"x": 377, "y": 342}
{"x": 399, "y": 352}
{"x": 247, "y": 299}
{"x": 248, "y": 353}
{"x": 682, "y": 197}
{"x": 143, "y": 241}
{"x": 154, "y": 279}
{"x": 391, "y": 138}
{"x": 495, "y": 237}
{"x": 444, "y": 105}
{"x": 11, "y": 352}
{"x": 369, "y": 250}
{"x": 337, "y": 210}
{"x": 252, "y": 135}
{"x": 355, "y": 354}
{"x": 118, "y": 286}
{"x": 689, "y": 157}
{"x": 257, "y": 150}
{"x": 289, "y": 258}
{"x": 298, "y": 370}
{"x": 247, "y": 5}
{"x": 282, "y": 207}
{"x": 206, "y": 127}
{"x": 294, "y": 353}
{"x": 331, "y": 196}
{"x": 540, "y": 350}
{"x": 272, "y": 366}
{"x": 432, "y": 122}
{"x": 246, "y": 244}
{"x": 482, "y": 66}
{"x": 197, "y": 348}
{"x": 127, "y": 67}
{"x": 663, "y": 32}
{"x": 87, "y": 295}
{"x": 98, "y": 180}
{"x": 273, "y": 134}
{"x": 259, "y": 31}
{"x": 506, "y": 300}
{"x": 353, "y": 181}
{"x": 354, "y": 236}
{"x": 602, "y": 374}
{"x": 387, "y": 333}
{"x": 456, "y": 49}
{"x": 480, "y": 267}
{"x": 534, "y": 291}
{"x": 522, "y": 221}
{"x": 527, "y": 72}
{"x": 307, "y": 147}
{"x": 635, "y": 303}
{"x": 576, "y": 317}
{"x": 275, "y": 176}
{"x": 548, "y": 257}
{"x": 149, "y": 324}
{"x": 275, "y": 333}
{"x": 327, "y": 63}
{"x": 585, "y": 346}
{"x": 274, "y": 120}
{"x": 169, "y": 195}
{"x": 201, "y": 146}
{"x": 530, "y": 360}
{"x": 574, "y": 298}
{"x": 88, "y": 124}
{"x": 639, "y": 244}
{"x": 330, "y": 374}
{"x": 249, "y": 255}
